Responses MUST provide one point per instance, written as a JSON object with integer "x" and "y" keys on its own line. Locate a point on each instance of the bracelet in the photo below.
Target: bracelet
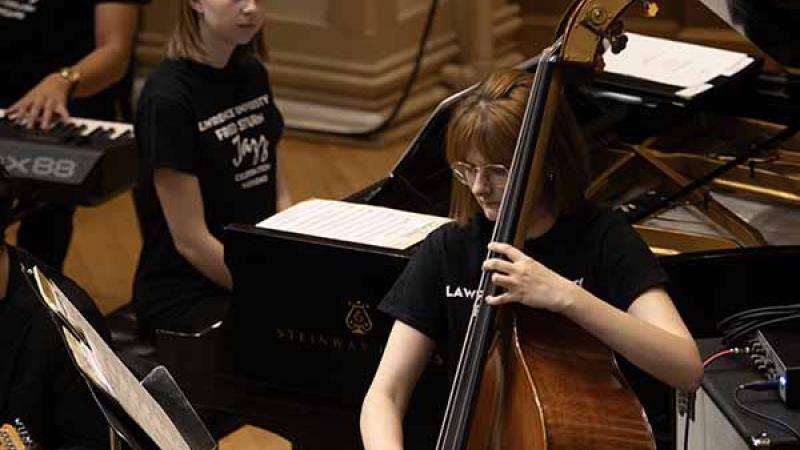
{"x": 72, "y": 76}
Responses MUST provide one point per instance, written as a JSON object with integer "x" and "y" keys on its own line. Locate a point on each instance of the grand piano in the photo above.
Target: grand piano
{"x": 297, "y": 358}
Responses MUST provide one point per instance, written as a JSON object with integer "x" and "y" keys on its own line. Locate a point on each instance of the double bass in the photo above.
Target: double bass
{"x": 529, "y": 379}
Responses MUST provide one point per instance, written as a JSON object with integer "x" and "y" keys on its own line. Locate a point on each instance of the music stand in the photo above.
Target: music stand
{"x": 158, "y": 383}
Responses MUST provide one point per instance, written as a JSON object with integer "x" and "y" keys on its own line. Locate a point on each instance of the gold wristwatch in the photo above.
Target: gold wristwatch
{"x": 72, "y": 76}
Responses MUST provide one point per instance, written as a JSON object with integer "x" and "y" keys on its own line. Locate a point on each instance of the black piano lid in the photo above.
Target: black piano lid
{"x": 769, "y": 24}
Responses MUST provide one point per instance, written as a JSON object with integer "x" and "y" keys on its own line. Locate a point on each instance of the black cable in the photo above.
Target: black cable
{"x": 686, "y": 433}
{"x": 738, "y": 325}
{"x": 744, "y": 330}
{"x": 751, "y": 314}
{"x": 734, "y": 333}
{"x": 747, "y": 313}
{"x": 403, "y": 97}
{"x": 762, "y": 416}
{"x": 757, "y": 317}
{"x": 685, "y": 406}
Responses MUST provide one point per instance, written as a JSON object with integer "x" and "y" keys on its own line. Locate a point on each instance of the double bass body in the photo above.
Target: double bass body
{"x": 548, "y": 384}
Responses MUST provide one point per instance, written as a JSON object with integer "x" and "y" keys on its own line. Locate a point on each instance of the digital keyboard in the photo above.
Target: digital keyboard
{"x": 82, "y": 161}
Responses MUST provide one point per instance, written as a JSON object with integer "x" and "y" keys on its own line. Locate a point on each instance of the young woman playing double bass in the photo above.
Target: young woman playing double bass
{"x": 580, "y": 261}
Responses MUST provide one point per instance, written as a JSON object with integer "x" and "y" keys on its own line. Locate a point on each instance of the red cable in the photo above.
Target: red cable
{"x": 717, "y": 355}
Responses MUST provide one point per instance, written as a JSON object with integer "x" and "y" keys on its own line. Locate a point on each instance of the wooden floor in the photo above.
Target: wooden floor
{"x": 252, "y": 438}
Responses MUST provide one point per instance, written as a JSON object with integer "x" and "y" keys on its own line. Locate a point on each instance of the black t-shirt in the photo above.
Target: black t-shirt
{"x": 38, "y": 37}
{"x": 595, "y": 248}
{"x": 38, "y": 381}
{"x": 222, "y": 126}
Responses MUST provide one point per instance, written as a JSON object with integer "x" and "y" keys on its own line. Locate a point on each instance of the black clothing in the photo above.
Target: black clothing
{"x": 38, "y": 381}
{"x": 46, "y": 232}
{"x": 37, "y": 38}
{"x": 222, "y": 126}
{"x": 597, "y": 249}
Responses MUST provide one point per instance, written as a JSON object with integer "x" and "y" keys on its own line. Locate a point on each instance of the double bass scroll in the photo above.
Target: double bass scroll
{"x": 519, "y": 377}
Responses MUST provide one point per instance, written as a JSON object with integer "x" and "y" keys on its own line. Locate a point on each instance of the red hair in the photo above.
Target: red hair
{"x": 488, "y": 120}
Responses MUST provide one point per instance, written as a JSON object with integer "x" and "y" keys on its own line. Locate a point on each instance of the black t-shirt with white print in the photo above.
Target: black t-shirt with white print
{"x": 222, "y": 126}
{"x": 595, "y": 248}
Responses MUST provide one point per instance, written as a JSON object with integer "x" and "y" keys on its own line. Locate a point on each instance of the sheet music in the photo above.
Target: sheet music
{"x": 98, "y": 362}
{"x": 357, "y": 223}
{"x": 674, "y": 63}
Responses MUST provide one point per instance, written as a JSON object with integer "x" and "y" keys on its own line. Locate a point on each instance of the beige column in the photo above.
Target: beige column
{"x": 156, "y": 23}
{"x": 487, "y": 34}
{"x": 340, "y": 65}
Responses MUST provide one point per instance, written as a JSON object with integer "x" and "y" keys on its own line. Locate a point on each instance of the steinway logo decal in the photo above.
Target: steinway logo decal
{"x": 314, "y": 339}
{"x": 357, "y": 320}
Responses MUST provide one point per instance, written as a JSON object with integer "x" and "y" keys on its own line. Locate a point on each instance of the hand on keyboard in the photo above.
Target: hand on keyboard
{"x": 42, "y": 104}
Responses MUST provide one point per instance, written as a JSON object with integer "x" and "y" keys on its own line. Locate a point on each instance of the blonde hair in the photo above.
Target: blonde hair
{"x": 488, "y": 121}
{"x": 186, "y": 43}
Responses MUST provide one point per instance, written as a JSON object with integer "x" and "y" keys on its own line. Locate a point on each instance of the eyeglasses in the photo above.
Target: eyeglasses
{"x": 496, "y": 174}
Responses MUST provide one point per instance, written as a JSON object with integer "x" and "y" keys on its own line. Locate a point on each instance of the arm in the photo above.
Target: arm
{"x": 650, "y": 334}
{"x": 115, "y": 27}
{"x": 407, "y": 353}
{"x": 284, "y": 197}
{"x": 182, "y": 202}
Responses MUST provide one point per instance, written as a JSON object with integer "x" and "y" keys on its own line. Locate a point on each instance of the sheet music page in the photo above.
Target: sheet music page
{"x": 96, "y": 359}
{"x": 50, "y": 297}
{"x": 672, "y": 62}
{"x": 357, "y": 223}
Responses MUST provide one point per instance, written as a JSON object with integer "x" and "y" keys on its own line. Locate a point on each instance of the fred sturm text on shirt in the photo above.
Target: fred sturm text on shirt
{"x": 251, "y": 153}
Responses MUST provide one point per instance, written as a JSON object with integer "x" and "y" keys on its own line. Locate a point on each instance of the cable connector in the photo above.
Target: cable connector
{"x": 686, "y": 404}
{"x": 760, "y": 385}
{"x": 726, "y": 352}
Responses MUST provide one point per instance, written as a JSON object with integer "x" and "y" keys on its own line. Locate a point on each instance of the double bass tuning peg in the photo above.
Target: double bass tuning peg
{"x": 618, "y": 42}
{"x": 615, "y": 38}
{"x": 612, "y": 36}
